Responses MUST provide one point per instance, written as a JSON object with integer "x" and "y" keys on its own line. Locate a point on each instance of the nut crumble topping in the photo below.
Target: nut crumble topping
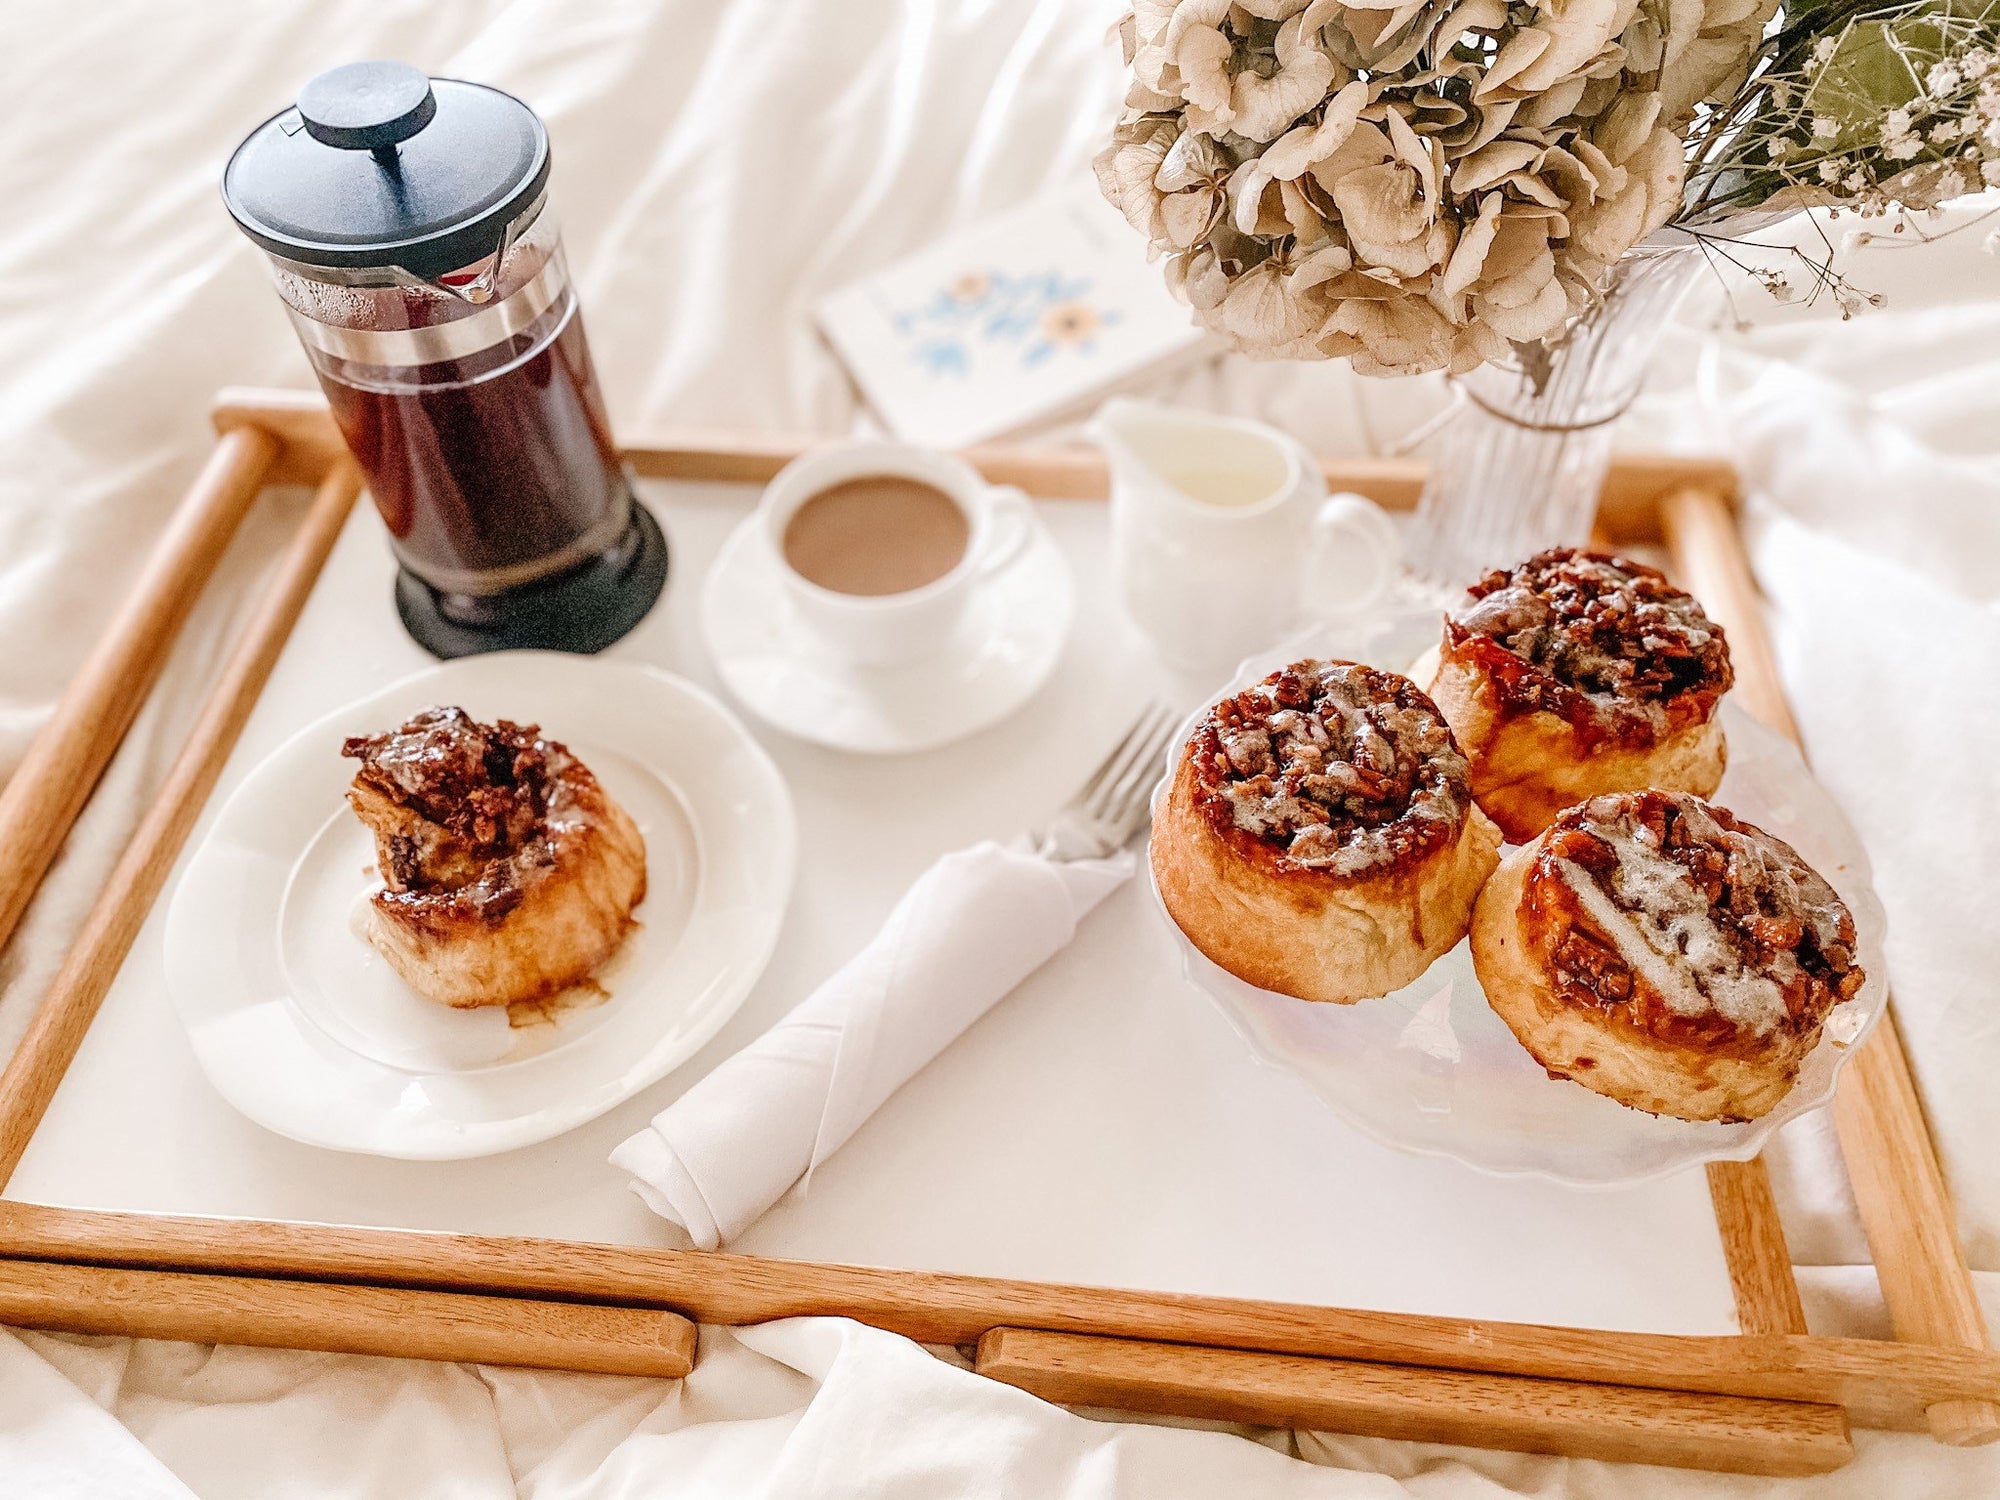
{"x": 1607, "y": 644}
{"x": 463, "y": 807}
{"x": 1341, "y": 766}
{"x": 1718, "y": 918}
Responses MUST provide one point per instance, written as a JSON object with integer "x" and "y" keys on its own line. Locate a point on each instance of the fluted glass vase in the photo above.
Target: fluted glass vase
{"x": 1519, "y": 465}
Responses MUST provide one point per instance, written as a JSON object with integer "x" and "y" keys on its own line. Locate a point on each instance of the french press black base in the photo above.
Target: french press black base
{"x": 585, "y": 609}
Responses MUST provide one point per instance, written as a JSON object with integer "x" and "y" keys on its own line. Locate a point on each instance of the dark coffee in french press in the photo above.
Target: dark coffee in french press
{"x": 408, "y": 228}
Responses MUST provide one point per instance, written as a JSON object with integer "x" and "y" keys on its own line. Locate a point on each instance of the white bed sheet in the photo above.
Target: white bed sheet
{"x": 717, "y": 168}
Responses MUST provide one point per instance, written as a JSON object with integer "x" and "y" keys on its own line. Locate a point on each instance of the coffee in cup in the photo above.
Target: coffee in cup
{"x": 876, "y": 534}
{"x": 880, "y": 545}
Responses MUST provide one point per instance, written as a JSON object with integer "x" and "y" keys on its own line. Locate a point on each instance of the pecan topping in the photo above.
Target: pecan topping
{"x": 1722, "y": 922}
{"x": 1338, "y": 765}
{"x": 460, "y": 802}
{"x": 1608, "y": 645}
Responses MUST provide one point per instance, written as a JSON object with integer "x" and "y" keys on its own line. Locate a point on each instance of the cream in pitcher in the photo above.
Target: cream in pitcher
{"x": 1223, "y": 535}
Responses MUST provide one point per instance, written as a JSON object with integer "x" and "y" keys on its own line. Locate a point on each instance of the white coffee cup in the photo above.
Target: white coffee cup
{"x": 882, "y": 629}
{"x": 1223, "y": 537}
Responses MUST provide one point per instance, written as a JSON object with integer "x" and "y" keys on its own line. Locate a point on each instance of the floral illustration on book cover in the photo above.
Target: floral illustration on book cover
{"x": 1024, "y": 319}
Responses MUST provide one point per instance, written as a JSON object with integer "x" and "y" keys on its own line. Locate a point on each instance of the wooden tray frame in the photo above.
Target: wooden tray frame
{"x": 1773, "y": 1399}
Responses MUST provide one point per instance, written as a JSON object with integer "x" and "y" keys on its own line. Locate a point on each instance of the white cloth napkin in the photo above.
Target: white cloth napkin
{"x": 973, "y": 926}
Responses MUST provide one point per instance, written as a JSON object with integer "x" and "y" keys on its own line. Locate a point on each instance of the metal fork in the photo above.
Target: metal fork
{"x": 1115, "y": 803}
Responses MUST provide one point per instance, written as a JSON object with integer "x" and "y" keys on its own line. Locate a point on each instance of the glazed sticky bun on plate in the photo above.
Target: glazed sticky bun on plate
{"x": 508, "y": 872}
{"x": 1577, "y": 673}
{"x": 1319, "y": 836}
{"x": 1663, "y": 953}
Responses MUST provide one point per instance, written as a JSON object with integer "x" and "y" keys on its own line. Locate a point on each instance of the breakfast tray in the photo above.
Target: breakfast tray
{"x": 1771, "y": 1399}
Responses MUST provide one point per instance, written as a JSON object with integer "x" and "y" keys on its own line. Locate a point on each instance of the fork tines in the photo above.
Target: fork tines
{"x": 1117, "y": 790}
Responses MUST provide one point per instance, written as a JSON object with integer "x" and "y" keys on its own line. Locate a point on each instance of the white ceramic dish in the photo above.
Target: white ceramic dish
{"x": 1432, "y": 1069}
{"x": 1006, "y": 643}
{"x": 304, "y": 1028}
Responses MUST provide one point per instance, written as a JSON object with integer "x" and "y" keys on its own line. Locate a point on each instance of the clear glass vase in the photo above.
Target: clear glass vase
{"x": 1519, "y": 464}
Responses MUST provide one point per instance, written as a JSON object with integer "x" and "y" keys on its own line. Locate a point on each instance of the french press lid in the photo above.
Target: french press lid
{"x": 378, "y": 165}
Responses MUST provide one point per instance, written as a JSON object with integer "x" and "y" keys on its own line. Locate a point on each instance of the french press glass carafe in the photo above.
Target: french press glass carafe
{"x": 408, "y": 229}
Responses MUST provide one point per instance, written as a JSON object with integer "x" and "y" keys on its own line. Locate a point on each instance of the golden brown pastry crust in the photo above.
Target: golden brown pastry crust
{"x": 1329, "y": 864}
{"x": 509, "y": 873}
{"x": 1575, "y": 674}
{"x": 1659, "y": 952}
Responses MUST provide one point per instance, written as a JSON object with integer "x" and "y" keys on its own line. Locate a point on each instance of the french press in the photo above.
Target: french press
{"x": 407, "y": 224}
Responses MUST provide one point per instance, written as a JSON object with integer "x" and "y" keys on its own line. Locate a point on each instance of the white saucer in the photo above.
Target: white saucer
{"x": 303, "y": 1027}
{"x": 1007, "y": 642}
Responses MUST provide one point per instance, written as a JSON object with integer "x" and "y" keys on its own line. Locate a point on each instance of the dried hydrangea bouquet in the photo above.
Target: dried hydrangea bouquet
{"x": 1518, "y": 193}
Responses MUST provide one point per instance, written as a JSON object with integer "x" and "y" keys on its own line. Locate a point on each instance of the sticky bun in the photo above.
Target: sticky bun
{"x": 508, "y": 872}
{"x": 1319, "y": 837}
{"x": 1576, "y": 674}
{"x": 1664, "y": 954}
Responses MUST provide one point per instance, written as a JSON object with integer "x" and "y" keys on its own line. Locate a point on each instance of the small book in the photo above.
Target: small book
{"x": 1005, "y": 322}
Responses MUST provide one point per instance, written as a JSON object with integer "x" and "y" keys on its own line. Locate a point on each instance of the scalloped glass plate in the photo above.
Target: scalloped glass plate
{"x": 1432, "y": 1069}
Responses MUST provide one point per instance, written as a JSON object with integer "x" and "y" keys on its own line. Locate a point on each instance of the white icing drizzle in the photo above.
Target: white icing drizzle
{"x": 1303, "y": 771}
{"x": 1661, "y": 926}
{"x": 1591, "y": 624}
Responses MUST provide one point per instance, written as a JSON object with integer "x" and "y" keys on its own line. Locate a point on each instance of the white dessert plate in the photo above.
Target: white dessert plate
{"x": 1004, "y": 647}
{"x": 306, "y": 1029}
{"x": 1432, "y": 1069}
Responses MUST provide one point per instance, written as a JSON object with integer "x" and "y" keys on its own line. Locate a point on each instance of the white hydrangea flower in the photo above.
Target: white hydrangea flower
{"x": 1710, "y": 46}
{"x": 1410, "y": 184}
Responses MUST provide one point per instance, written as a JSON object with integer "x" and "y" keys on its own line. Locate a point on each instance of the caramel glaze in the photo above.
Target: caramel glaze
{"x": 475, "y": 802}
{"x": 1765, "y": 901}
{"x": 1606, "y": 644}
{"x": 1328, "y": 771}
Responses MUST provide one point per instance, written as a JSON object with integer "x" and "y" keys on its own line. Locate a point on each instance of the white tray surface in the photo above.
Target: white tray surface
{"x": 1102, "y": 1125}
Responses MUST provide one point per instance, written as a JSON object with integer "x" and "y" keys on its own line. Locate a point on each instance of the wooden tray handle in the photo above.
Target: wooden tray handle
{"x": 1898, "y": 1184}
{"x": 1625, "y": 1424}
{"x": 54, "y": 780}
{"x": 1627, "y": 507}
{"x": 346, "y": 1319}
{"x": 58, "y": 1026}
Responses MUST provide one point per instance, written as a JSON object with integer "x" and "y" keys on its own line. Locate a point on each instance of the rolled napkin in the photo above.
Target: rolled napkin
{"x": 973, "y": 926}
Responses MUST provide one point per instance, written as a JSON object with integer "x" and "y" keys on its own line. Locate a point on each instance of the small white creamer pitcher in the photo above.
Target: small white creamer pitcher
{"x": 1223, "y": 538}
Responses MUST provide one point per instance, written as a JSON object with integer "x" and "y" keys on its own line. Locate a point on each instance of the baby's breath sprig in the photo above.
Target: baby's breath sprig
{"x": 1803, "y": 276}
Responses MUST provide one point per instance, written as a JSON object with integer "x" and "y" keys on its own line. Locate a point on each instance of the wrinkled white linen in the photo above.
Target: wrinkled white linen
{"x": 971, "y": 928}
{"x": 807, "y": 1409}
{"x": 56, "y": 1446}
{"x": 718, "y": 168}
